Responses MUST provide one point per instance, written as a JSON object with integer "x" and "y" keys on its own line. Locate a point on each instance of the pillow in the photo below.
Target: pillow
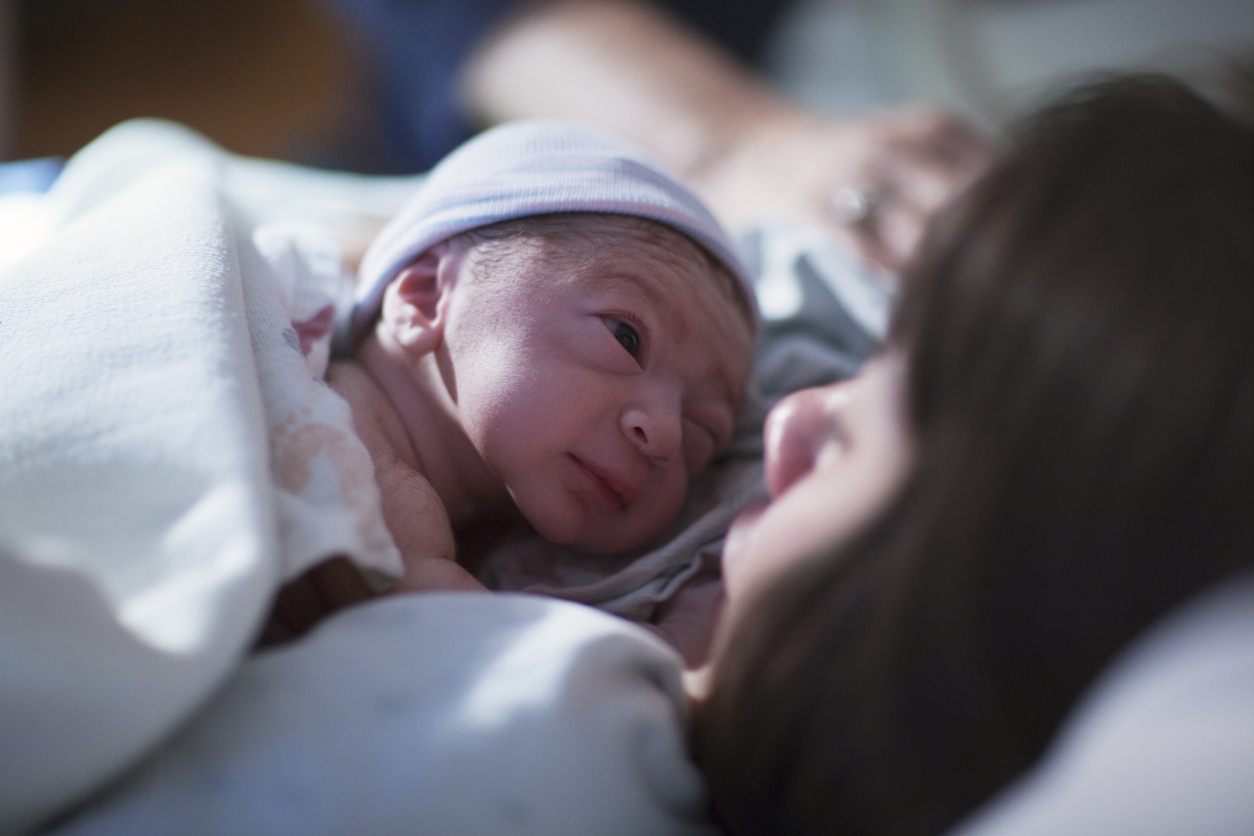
{"x": 439, "y": 713}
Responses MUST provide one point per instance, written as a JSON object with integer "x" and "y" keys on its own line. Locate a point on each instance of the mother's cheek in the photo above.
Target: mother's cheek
{"x": 766, "y": 540}
{"x": 737, "y": 558}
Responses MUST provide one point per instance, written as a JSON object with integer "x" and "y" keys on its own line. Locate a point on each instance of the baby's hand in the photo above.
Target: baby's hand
{"x": 412, "y": 509}
{"x": 426, "y": 574}
{"x": 420, "y": 527}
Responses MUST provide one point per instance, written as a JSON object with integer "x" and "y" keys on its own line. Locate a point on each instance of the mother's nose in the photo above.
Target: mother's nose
{"x": 797, "y": 429}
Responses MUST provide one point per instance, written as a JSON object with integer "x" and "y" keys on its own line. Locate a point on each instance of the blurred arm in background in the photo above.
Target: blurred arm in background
{"x": 633, "y": 70}
{"x": 674, "y": 77}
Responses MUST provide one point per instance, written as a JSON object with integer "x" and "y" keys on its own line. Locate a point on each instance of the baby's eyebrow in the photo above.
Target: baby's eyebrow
{"x": 608, "y": 275}
{"x": 609, "y": 272}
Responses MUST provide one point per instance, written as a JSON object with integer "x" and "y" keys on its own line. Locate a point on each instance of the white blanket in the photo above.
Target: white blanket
{"x": 430, "y": 715}
{"x": 137, "y": 540}
{"x": 328, "y": 503}
{"x": 151, "y": 376}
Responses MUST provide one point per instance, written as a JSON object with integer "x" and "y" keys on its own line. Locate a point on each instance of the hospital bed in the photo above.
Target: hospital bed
{"x": 140, "y": 550}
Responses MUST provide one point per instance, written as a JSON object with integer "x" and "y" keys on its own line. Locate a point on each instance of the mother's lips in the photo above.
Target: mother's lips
{"x": 615, "y": 491}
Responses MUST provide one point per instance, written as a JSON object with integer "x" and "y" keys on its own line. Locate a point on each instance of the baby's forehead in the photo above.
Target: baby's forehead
{"x": 691, "y": 292}
{"x": 576, "y": 230}
{"x": 527, "y": 169}
{"x": 625, "y": 252}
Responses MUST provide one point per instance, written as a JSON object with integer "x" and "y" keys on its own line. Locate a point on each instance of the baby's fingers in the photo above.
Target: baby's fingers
{"x": 427, "y": 574}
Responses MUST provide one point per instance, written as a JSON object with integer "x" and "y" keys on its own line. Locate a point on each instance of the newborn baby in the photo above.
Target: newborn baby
{"x": 553, "y": 331}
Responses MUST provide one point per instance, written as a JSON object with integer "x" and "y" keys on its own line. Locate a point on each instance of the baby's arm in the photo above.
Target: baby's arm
{"x": 412, "y": 509}
{"x": 419, "y": 525}
{"x": 420, "y": 528}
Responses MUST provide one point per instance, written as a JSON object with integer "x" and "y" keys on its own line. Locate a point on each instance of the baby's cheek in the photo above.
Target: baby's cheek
{"x": 698, "y": 450}
{"x": 669, "y": 499}
{"x": 501, "y": 412}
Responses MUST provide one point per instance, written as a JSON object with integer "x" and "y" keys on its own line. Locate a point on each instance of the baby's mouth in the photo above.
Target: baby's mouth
{"x": 614, "y": 492}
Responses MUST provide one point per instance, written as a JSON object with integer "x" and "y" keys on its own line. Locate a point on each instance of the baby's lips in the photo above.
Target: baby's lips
{"x": 613, "y": 490}
{"x": 625, "y": 487}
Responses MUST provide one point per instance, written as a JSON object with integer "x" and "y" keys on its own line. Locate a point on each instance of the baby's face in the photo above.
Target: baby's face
{"x": 597, "y": 374}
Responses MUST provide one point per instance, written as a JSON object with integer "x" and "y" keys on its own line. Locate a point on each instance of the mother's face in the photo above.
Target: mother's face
{"x": 834, "y": 456}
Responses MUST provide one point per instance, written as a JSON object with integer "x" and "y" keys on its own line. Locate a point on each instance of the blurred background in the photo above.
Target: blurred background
{"x": 299, "y": 79}
{"x": 261, "y": 77}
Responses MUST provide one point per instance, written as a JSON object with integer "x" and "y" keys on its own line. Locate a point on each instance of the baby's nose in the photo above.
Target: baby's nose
{"x": 797, "y": 429}
{"x": 655, "y": 429}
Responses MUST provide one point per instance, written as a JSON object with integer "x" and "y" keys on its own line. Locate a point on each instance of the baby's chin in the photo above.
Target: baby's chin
{"x": 567, "y": 519}
{"x": 600, "y": 537}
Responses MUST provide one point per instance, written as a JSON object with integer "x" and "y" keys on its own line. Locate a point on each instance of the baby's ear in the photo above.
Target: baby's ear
{"x": 415, "y": 301}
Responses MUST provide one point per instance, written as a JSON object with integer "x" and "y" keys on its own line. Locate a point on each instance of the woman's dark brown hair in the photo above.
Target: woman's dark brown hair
{"x": 1080, "y": 327}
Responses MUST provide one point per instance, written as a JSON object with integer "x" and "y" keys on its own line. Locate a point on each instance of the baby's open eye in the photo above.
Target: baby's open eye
{"x": 626, "y": 335}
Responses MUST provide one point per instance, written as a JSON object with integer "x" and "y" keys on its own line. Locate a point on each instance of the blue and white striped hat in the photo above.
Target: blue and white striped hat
{"x": 533, "y": 168}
